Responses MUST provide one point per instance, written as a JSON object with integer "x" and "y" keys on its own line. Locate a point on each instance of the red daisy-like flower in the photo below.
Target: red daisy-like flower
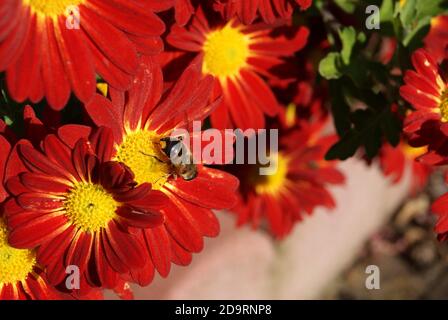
{"x": 426, "y": 90}
{"x": 21, "y": 277}
{"x": 295, "y": 185}
{"x": 395, "y": 160}
{"x": 239, "y": 58}
{"x": 51, "y": 48}
{"x": 436, "y": 42}
{"x": 140, "y": 119}
{"x": 269, "y": 10}
{"x": 77, "y": 209}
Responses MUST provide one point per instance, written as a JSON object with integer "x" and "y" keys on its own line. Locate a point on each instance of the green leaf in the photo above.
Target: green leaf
{"x": 387, "y": 11}
{"x": 8, "y": 121}
{"x": 329, "y": 67}
{"x": 369, "y": 128}
{"x": 340, "y": 109}
{"x": 348, "y": 6}
{"x": 431, "y": 8}
{"x": 407, "y": 12}
{"x": 357, "y": 71}
{"x": 391, "y": 128}
{"x": 414, "y": 39}
{"x": 348, "y": 39}
{"x": 344, "y": 148}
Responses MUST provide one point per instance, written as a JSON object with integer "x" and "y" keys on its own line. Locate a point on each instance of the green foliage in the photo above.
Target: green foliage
{"x": 348, "y": 6}
{"x": 362, "y": 88}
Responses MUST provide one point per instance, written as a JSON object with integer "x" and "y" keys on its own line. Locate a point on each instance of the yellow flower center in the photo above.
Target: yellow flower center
{"x": 90, "y": 207}
{"x": 103, "y": 88}
{"x": 225, "y": 52}
{"x": 52, "y": 8}
{"x": 141, "y": 151}
{"x": 15, "y": 264}
{"x": 443, "y": 106}
{"x": 275, "y": 178}
{"x": 290, "y": 116}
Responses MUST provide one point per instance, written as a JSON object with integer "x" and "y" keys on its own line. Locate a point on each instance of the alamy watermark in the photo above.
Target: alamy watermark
{"x": 73, "y": 20}
{"x": 373, "y": 280}
{"x": 217, "y": 147}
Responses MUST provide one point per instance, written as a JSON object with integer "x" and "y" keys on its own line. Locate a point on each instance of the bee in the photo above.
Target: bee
{"x": 182, "y": 163}
{"x": 174, "y": 148}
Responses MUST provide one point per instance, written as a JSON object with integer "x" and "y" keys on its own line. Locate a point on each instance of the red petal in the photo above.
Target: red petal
{"x": 77, "y": 59}
{"x": 59, "y": 153}
{"x": 38, "y": 231}
{"x": 113, "y": 43}
{"x": 179, "y": 255}
{"x": 212, "y": 189}
{"x": 56, "y": 84}
{"x": 11, "y": 47}
{"x": 103, "y": 113}
{"x": 182, "y": 226}
{"x": 127, "y": 248}
{"x": 24, "y": 73}
{"x": 79, "y": 251}
{"x": 158, "y": 243}
{"x": 129, "y": 17}
{"x": 106, "y": 275}
{"x": 5, "y": 147}
{"x": 37, "y": 162}
{"x": 55, "y": 249}
{"x": 43, "y": 183}
{"x": 40, "y": 202}
{"x": 135, "y": 217}
{"x": 183, "y": 11}
{"x": 102, "y": 142}
{"x": 141, "y": 91}
{"x": 71, "y": 133}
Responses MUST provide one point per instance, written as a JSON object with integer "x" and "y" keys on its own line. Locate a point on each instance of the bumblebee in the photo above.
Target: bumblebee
{"x": 183, "y": 165}
{"x": 173, "y": 148}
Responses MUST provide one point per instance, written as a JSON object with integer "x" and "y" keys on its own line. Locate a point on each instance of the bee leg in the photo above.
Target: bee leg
{"x": 162, "y": 177}
{"x": 153, "y": 156}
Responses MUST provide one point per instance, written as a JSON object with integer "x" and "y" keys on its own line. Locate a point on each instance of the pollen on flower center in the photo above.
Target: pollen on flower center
{"x": 275, "y": 177}
{"x": 443, "y": 106}
{"x": 90, "y": 207}
{"x": 52, "y": 8}
{"x": 225, "y": 52}
{"x": 141, "y": 152}
{"x": 15, "y": 264}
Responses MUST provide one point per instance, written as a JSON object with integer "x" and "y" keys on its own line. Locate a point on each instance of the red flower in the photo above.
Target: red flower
{"x": 77, "y": 208}
{"x": 269, "y": 10}
{"x": 297, "y": 186}
{"x": 436, "y": 42}
{"x": 140, "y": 118}
{"x": 440, "y": 208}
{"x": 21, "y": 277}
{"x": 50, "y": 48}
{"x": 426, "y": 90}
{"x": 239, "y": 58}
{"x": 394, "y": 162}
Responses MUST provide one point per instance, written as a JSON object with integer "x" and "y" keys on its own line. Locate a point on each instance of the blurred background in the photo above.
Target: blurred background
{"x": 376, "y": 222}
